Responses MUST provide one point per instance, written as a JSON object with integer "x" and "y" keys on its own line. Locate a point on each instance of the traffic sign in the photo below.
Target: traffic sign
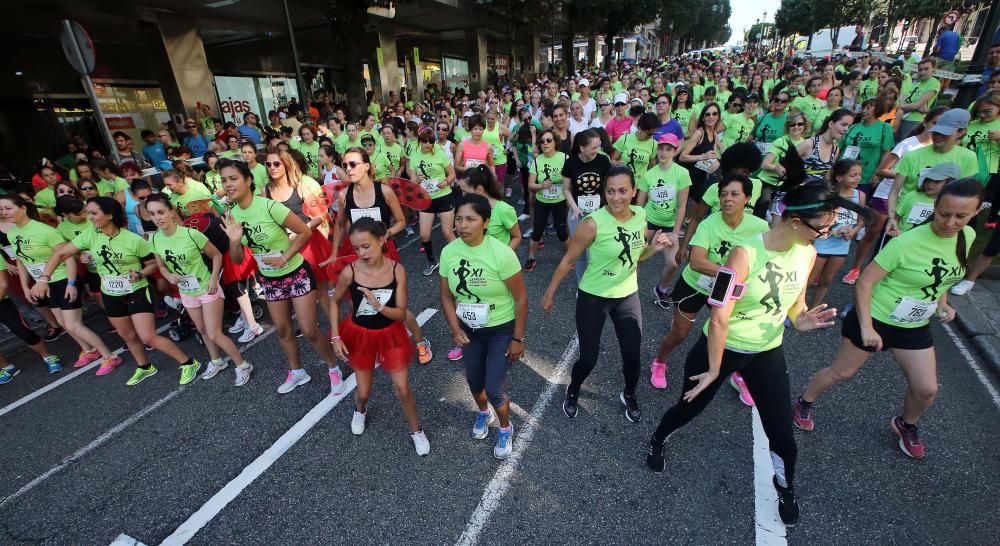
{"x": 951, "y": 17}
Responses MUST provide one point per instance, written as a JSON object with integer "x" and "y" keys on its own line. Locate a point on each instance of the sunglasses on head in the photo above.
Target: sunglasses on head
{"x": 274, "y": 164}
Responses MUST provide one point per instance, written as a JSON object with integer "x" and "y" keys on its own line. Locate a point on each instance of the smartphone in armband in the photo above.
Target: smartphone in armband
{"x": 726, "y": 288}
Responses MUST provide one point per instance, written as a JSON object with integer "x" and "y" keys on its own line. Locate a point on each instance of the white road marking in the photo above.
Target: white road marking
{"x": 500, "y": 483}
{"x": 14, "y": 405}
{"x": 251, "y": 472}
{"x": 972, "y": 364}
{"x": 125, "y": 540}
{"x": 770, "y": 531}
{"x": 110, "y": 433}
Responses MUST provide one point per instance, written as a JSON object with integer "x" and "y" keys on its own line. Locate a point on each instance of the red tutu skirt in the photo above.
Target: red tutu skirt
{"x": 232, "y": 272}
{"x": 316, "y": 251}
{"x": 391, "y": 345}
{"x": 391, "y": 251}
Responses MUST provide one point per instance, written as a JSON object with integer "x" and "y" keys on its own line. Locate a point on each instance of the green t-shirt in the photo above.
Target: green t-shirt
{"x": 387, "y": 160}
{"x": 502, "y": 219}
{"x": 45, "y": 198}
{"x": 264, "y": 234}
{"x": 821, "y": 116}
{"x": 738, "y": 129}
{"x": 311, "y": 152}
{"x": 111, "y": 187}
{"x": 683, "y": 116}
{"x": 913, "y": 163}
{"x": 69, "y": 231}
{"x": 808, "y": 105}
{"x": 778, "y": 149}
{"x": 917, "y": 90}
{"x": 769, "y": 128}
{"x": 717, "y": 238}
{"x": 461, "y": 134}
{"x": 921, "y": 266}
{"x": 493, "y": 139}
{"x": 115, "y": 257}
{"x": 871, "y": 141}
{"x": 977, "y": 139}
{"x": 613, "y": 257}
{"x": 663, "y": 187}
{"x": 476, "y": 276}
{"x": 194, "y": 192}
{"x": 260, "y": 177}
{"x": 432, "y": 169}
{"x": 867, "y": 89}
{"x": 34, "y": 244}
{"x": 181, "y": 253}
{"x": 635, "y": 153}
{"x": 549, "y": 169}
{"x": 711, "y": 196}
{"x": 774, "y": 282}
{"x": 340, "y": 143}
{"x": 914, "y": 209}
{"x": 213, "y": 181}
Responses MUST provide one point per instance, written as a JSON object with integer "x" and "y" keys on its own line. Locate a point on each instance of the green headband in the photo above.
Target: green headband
{"x": 805, "y": 207}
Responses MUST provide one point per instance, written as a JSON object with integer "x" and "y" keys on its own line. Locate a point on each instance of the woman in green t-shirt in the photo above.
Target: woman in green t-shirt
{"x": 309, "y": 148}
{"x": 503, "y": 218}
{"x": 180, "y": 253}
{"x": 285, "y": 278}
{"x": 663, "y": 192}
{"x": 486, "y": 305}
{"x": 430, "y": 167}
{"x": 897, "y": 295}
{"x": 124, "y": 263}
{"x": 744, "y": 333}
{"x": 211, "y": 177}
{"x": 613, "y": 237}
{"x": 546, "y": 181}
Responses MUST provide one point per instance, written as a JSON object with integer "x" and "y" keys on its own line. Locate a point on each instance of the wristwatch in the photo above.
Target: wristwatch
{"x": 519, "y": 340}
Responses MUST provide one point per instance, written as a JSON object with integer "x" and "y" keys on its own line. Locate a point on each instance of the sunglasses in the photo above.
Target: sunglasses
{"x": 798, "y": 124}
{"x": 351, "y": 165}
{"x": 779, "y": 101}
{"x": 425, "y": 141}
{"x": 87, "y": 188}
{"x": 272, "y": 164}
{"x": 605, "y": 104}
{"x": 711, "y": 114}
{"x": 191, "y": 126}
{"x": 546, "y": 141}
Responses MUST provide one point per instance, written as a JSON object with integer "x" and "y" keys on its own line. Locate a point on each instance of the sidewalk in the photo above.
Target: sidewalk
{"x": 979, "y": 317}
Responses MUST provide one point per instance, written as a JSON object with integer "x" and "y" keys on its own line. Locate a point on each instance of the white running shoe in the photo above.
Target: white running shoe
{"x": 239, "y": 326}
{"x": 420, "y": 443}
{"x": 214, "y": 367}
{"x": 962, "y": 288}
{"x": 337, "y": 385}
{"x": 293, "y": 380}
{"x": 358, "y": 423}
{"x": 243, "y": 374}
{"x": 250, "y": 333}
{"x": 523, "y": 217}
{"x": 173, "y": 303}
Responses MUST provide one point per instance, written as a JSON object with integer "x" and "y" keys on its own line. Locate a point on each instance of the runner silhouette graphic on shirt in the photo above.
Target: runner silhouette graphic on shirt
{"x": 723, "y": 249}
{"x": 422, "y": 167}
{"x": 936, "y": 272}
{"x": 547, "y": 171}
{"x": 771, "y": 277}
{"x": 856, "y": 141}
{"x": 18, "y": 241}
{"x": 765, "y": 133}
{"x": 626, "y": 254}
{"x": 106, "y": 254}
{"x": 254, "y": 246}
{"x": 742, "y": 133}
{"x": 632, "y": 156}
{"x": 171, "y": 260}
{"x": 462, "y": 289}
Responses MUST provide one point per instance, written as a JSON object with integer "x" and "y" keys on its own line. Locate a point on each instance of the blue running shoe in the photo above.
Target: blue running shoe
{"x": 505, "y": 443}
{"x": 482, "y": 427}
{"x": 7, "y": 374}
{"x": 53, "y": 364}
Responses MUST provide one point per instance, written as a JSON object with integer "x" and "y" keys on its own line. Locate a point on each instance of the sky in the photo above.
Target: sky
{"x": 745, "y": 12}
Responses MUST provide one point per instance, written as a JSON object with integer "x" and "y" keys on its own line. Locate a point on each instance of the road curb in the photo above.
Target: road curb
{"x": 975, "y": 323}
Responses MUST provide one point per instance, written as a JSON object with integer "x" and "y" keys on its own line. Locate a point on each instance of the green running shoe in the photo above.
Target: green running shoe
{"x": 140, "y": 375}
{"x": 189, "y": 372}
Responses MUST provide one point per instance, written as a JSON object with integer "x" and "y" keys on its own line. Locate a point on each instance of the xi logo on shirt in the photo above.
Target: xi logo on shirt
{"x": 466, "y": 273}
{"x": 108, "y": 257}
{"x": 21, "y": 244}
{"x": 628, "y": 240}
{"x": 251, "y": 232}
{"x": 172, "y": 260}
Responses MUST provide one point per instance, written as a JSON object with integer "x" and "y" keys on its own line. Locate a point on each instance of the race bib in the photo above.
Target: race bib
{"x": 373, "y": 213}
{"x": 852, "y": 152}
{"x": 117, "y": 284}
{"x": 430, "y": 186}
{"x": 474, "y": 315}
{"x": 260, "y": 261}
{"x": 883, "y": 189}
{"x": 588, "y": 203}
{"x": 35, "y": 270}
{"x": 663, "y": 194}
{"x": 473, "y": 163}
{"x": 919, "y": 213}
{"x": 913, "y": 310}
{"x": 366, "y": 309}
{"x": 764, "y": 147}
{"x": 706, "y": 283}
{"x": 9, "y": 250}
{"x": 707, "y": 165}
{"x": 189, "y": 283}
{"x": 552, "y": 192}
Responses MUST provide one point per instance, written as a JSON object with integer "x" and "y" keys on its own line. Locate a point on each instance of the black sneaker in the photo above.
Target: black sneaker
{"x": 298, "y": 332}
{"x": 569, "y": 404}
{"x": 53, "y": 333}
{"x": 632, "y": 411}
{"x": 654, "y": 457}
{"x": 529, "y": 265}
{"x": 788, "y": 505}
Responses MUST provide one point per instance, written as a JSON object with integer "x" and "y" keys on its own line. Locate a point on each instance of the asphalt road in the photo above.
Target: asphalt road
{"x": 92, "y": 459}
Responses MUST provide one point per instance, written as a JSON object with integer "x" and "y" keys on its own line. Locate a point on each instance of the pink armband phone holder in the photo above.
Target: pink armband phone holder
{"x": 726, "y": 288}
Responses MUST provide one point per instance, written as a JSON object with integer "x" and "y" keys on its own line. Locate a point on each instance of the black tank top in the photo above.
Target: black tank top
{"x": 364, "y": 315}
{"x": 699, "y": 178}
{"x": 379, "y": 210}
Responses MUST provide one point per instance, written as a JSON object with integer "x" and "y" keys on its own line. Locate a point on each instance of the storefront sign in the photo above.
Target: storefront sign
{"x": 237, "y": 96}
{"x": 120, "y": 123}
{"x": 502, "y": 65}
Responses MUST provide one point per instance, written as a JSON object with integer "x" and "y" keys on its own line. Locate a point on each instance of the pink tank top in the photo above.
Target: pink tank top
{"x": 475, "y": 153}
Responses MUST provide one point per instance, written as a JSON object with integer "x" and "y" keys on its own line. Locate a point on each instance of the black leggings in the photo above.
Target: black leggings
{"x": 525, "y": 192}
{"x": 558, "y": 212}
{"x": 12, "y": 319}
{"x": 626, "y": 316}
{"x": 767, "y": 380}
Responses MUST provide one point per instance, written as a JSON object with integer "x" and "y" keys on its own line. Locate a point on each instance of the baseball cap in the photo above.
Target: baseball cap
{"x": 564, "y": 94}
{"x": 951, "y": 121}
{"x": 669, "y": 138}
{"x": 943, "y": 171}
{"x": 468, "y": 113}
{"x": 621, "y": 98}
{"x": 584, "y": 82}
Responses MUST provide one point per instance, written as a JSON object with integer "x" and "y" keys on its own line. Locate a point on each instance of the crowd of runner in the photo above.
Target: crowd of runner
{"x": 747, "y": 184}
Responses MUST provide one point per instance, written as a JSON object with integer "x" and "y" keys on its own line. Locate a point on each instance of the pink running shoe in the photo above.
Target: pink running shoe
{"x": 659, "y": 376}
{"x": 86, "y": 357}
{"x": 109, "y": 365}
{"x": 802, "y": 415}
{"x": 909, "y": 442}
{"x": 736, "y": 382}
{"x": 455, "y": 354}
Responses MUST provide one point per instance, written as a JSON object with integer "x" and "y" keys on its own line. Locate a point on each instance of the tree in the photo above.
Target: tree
{"x": 924, "y": 9}
{"x": 349, "y": 24}
{"x": 612, "y": 18}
